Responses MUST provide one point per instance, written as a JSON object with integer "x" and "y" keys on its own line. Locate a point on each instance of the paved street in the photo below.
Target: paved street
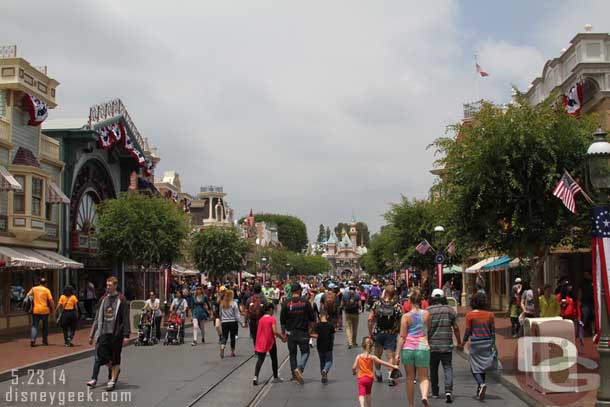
{"x": 195, "y": 376}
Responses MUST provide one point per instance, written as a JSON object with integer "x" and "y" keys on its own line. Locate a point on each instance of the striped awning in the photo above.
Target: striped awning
{"x": 55, "y": 195}
{"x": 58, "y": 258}
{"x": 7, "y": 181}
{"x": 26, "y": 258}
{"x": 476, "y": 267}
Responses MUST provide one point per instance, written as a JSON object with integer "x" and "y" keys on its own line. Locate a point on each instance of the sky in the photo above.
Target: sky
{"x": 318, "y": 109}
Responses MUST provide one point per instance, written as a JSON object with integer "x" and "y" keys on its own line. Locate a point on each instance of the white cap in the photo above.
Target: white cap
{"x": 438, "y": 291}
{"x": 517, "y": 280}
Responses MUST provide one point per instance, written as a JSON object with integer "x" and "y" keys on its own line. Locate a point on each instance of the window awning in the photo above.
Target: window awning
{"x": 58, "y": 258}
{"x": 182, "y": 271}
{"x": 7, "y": 181}
{"x": 25, "y": 258}
{"x": 498, "y": 264}
{"x": 455, "y": 269}
{"x": 476, "y": 267}
{"x": 55, "y": 195}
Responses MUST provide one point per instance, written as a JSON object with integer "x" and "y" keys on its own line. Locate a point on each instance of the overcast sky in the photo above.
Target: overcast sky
{"x": 320, "y": 109}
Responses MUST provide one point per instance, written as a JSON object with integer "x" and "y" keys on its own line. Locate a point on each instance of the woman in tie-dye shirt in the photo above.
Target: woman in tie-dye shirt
{"x": 413, "y": 347}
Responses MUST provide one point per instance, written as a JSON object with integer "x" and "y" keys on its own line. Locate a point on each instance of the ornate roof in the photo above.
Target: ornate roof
{"x": 332, "y": 239}
{"x": 346, "y": 242}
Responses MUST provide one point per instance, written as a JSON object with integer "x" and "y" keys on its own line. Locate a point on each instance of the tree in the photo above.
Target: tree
{"x": 291, "y": 230}
{"x": 327, "y": 232}
{"x": 362, "y": 238}
{"x": 141, "y": 230}
{"x": 219, "y": 251}
{"x": 501, "y": 170}
{"x": 321, "y": 234}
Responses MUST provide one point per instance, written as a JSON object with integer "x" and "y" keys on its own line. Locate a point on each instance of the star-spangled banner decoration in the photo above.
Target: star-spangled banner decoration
{"x": 600, "y": 252}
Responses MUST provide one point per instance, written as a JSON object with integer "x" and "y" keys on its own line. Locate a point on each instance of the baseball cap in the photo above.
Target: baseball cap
{"x": 295, "y": 287}
{"x": 438, "y": 292}
{"x": 517, "y": 280}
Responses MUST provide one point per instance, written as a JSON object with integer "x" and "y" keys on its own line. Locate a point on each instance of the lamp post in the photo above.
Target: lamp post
{"x": 598, "y": 185}
{"x": 264, "y": 268}
{"x": 439, "y": 260}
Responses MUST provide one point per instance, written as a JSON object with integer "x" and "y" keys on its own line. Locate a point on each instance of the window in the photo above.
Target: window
{"x": 18, "y": 289}
{"x": 49, "y": 212}
{"x": 19, "y": 196}
{"x": 36, "y": 196}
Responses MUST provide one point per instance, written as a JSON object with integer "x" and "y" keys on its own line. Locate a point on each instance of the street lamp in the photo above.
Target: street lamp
{"x": 439, "y": 259}
{"x": 598, "y": 185}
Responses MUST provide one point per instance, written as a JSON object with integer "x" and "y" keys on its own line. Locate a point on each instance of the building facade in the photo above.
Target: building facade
{"x": 344, "y": 255}
{"x": 209, "y": 208}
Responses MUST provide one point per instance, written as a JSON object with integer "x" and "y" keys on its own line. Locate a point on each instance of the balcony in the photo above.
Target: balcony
{"x": 52, "y": 232}
{"x": 210, "y": 188}
{"x": 49, "y": 150}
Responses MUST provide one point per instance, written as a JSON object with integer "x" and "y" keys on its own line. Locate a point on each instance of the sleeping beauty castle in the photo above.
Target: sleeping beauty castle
{"x": 344, "y": 255}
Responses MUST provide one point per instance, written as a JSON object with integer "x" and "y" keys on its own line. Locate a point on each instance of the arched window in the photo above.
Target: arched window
{"x": 590, "y": 87}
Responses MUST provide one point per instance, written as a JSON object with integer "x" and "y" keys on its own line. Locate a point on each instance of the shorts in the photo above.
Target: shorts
{"x": 386, "y": 340}
{"x": 417, "y": 358}
{"x": 109, "y": 348}
{"x": 365, "y": 385}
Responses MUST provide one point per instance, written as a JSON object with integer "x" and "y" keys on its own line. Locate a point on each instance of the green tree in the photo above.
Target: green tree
{"x": 327, "y": 232}
{"x": 321, "y": 234}
{"x": 219, "y": 251}
{"x": 291, "y": 230}
{"x": 362, "y": 238}
{"x": 141, "y": 230}
{"x": 501, "y": 170}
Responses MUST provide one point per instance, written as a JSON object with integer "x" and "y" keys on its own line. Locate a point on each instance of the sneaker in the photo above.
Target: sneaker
{"x": 294, "y": 380}
{"x": 222, "y": 353}
{"x": 45, "y": 343}
{"x": 349, "y": 346}
{"x": 324, "y": 376}
{"x": 448, "y": 398}
{"x": 277, "y": 380}
{"x": 110, "y": 385}
{"x": 379, "y": 377}
{"x": 232, "y": 354}
{"x": 194, "y": 343}
{"x": 202, "y": 340}
{"x": 392, "y": 382}
{"x": 91, "y": 383}
{"x": 424, "y": 402}
{"x": 395, "y": 374}
{"x": 32, "y": 344}
{"x": 67, "y": 345}
{"x": 299, "y": 376}
{"x": 255, "y": 381}
{"x": 435, "y": 395}
{"x": 481, "y": 393}
{"x": 70, "y": 344}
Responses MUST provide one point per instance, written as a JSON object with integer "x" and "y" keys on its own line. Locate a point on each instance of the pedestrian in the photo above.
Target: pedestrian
{"x": 413, "y": 349}
{"x": 351, "y": 304}
{"x": 363, "y": 367}
{"x": 443, "y": 321}
{"x": 277, "y": 292}
{"x": 230, "y": 317}
{"x": 180, "y": 306}
{"x": 255, "y": 309}
{"x": 90, "y": 298}
{"x": 362, "y": 299}
{"x": 110, "y": 331}
{"x": 153, "y": 304}
{"x": 549, "y": 306}
{"x": 480, "y": 330}
{"x": 201, "y": 309}
{"x": 384, "y": 326}
{"x": 325, "y": 334}
{"x": 43, "y": 305}
{"x": 570, "y": 310}
{"x": 515, "y": 307}
{"x": 67, "y": 307}
{"x": 585, "y": 298}
{"x": 265, "y": 343}
{"x": 328, "y": 304}
{"x": 374, "y": 293}
{"x": 297, "y": 319}
{"x": 339, "y": 305}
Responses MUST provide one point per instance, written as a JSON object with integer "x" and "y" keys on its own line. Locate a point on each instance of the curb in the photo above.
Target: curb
{"x": 509, "y": 384}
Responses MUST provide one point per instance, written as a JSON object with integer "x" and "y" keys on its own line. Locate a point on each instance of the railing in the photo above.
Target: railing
{"x": 49, "y": 148}
{"x": 8, "y": 51}
{"x": 211, "y": 188}
{"x": 471, "y": 109}
{"x": 5, "y": 130}
{"x": 52, "y": 231}
{"x": 110, "y": 109}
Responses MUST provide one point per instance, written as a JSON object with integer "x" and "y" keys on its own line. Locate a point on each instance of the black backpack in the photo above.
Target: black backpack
{"x": 386, "y": 315}
{"x": 352, "y": 302}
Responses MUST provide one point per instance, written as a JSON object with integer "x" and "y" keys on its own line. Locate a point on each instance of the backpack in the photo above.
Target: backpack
{"x": 352, "y": 302}
{"x": 255, "y": 309}
{"x": 375, "y": 291}
{"x": 330, "y": 302}
{"x": 386, "y": 315}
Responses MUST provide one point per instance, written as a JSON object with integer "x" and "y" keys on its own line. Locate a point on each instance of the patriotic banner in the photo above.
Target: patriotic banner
{"x": 451, "y": 248}
{"x": 395, "y": 278}
{"x": 481, "y": 71}
{"x": 566, "y": 190}
{"x": 423, "y": 247}
{"x": 407, "y": 276}
{"x": 439, "y": 274}
{"x": 166, "y": 282}
{"x": 600, "y": 252}
{"x": 572, "y": 101}
{"x": 239, "y": 279}
{"x": 37, "y": 108}
{"x": 104, "y": 139}
{"x": 115, "y": 131}
{"x": 187, "y": 206}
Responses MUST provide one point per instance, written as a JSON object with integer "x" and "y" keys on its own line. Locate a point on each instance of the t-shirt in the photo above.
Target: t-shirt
{"x": 154, "y": 306}
{"x": 179, "y": 305}
{"x": 479, "y": 325}
{"x": 268, "y": 293}
{"x": 42, "y": 297}
{"x": 297, "y": 314}
{"x": 288, "y": 290}
{"x": 68, "y": 304}
{"x": 276, "y": 293}
{"x": 549, "y": 308}
{"x": 326, "y": 336}
{"x": 109, "y": 312}
{"x": 442, "y": 320}
{"x": 265, "y": 339}
{"x": 90, "y": 291}
{"x": 528, "y": 296}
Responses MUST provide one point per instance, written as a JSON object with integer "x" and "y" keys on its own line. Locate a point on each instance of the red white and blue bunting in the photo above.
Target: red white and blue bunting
{"x": 115, "y": 133}
{"x": 572, "y": 101}
{"x": 37, "y": 108}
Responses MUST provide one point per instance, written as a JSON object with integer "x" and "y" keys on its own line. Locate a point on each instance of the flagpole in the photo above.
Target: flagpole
{"x": 476, "y": 80}
{"x": 587, "y": 197}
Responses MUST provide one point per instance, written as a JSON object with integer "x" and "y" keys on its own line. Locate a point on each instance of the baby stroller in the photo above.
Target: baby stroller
{"x": 146, "y": 329}
{"x": 172, "y": 333}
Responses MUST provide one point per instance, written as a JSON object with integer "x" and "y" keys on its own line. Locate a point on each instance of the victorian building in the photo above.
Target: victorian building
{"x": 209, "y": 208}
{"x": 31, "y": 198}
{"x": 344, "y": 255}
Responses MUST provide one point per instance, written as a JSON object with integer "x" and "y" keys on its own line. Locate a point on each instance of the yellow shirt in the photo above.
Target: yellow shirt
{"x": 548, "y": 308}
{"x": 69, "y": 304}
{"x": 42, "y": 297}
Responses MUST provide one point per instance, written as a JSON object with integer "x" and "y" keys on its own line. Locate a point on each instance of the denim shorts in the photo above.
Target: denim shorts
{"x": 386, "y": 340}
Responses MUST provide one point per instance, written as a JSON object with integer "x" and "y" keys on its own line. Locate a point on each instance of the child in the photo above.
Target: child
{"x": 325, "y": 332}
{"x": 174, "y": 318}
{"x": 363, "y": 365}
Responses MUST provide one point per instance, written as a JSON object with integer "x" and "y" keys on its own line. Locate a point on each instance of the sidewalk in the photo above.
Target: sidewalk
{"x": 507, "y": 349}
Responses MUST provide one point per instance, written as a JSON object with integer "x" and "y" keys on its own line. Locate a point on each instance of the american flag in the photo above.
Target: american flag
{"x": 481, "y": 71}
{"x": 566, "y": 190}
{"x": 423, "y": 247}
{"x": 451, "y": 247}
{"x": 600, "y": 251}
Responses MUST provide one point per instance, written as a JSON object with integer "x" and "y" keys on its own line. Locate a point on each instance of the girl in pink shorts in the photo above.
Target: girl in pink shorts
{"x": 363, "y": 366}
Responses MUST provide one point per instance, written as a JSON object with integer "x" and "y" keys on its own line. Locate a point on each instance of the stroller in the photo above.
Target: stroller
{"x": 146, "y": 329}
{"x": 172, "y": 333}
